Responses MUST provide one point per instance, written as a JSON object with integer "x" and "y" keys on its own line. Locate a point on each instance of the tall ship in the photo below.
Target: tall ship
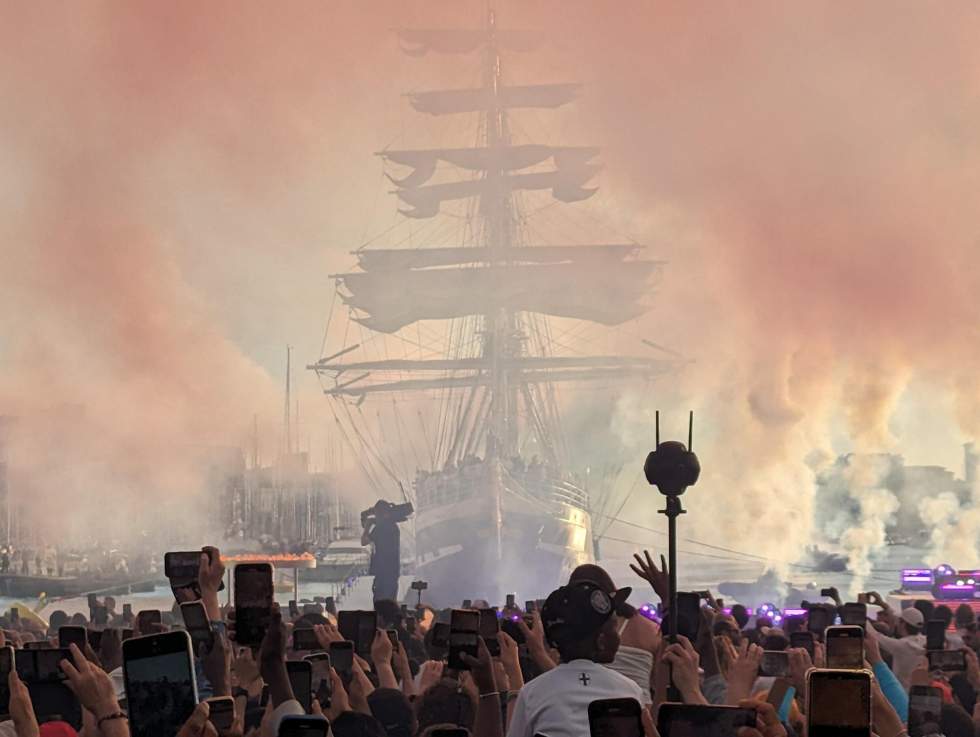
{"x": 453, "y": 355}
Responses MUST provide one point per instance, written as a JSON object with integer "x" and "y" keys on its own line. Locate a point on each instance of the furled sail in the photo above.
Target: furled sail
{"x": 387, "y": 259}
{"x": 508, "y": 158}
{"x": 420, "y": 41}
{"x": 446, "y": 102}
{"x": 565, "y": 184}
{"x": 608, "y": 293}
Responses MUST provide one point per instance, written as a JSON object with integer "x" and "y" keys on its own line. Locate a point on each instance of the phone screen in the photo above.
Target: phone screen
{"x": 301, "y": 680}
{"x": 342, "y": 657}
{"x": 688, "y": 615}
{"x": 222, "y": 713}
{"x": 694, "y": 720}
{"x": 925, "y": 706}
{"x": 489, "y": 627}
{"x": 615, "y": 718}
{"x": 72, "y": 635}
{"x": 253, "y": 602}
{"x": 148, "y": 621}
{"x": 197, "y": 623}
{"x": 839, "y": 704}
{"x": 817, "y": 620}
{"x": 41, "y": 672}
{"x": 321, "y": 684}
{"x": 158, "y": 672}
{"x": 464, "y": 629}
{"x": 367, "y": 628}
{"x": 845, "y": 647}
{"x": 802, "y": 640}
{"x": 303, "y": 726}
{"x": 946, "y": 660}
{"x": 935, "y": 634}
{"x": 854, "y": 614}
{"x": 775, "y": 663}
{"x": 304, "y": 638}
{"x": 100, "y": 615}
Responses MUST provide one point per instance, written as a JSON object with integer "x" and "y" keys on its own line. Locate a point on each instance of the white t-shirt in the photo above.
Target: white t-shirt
{"x": 556, "y": 703}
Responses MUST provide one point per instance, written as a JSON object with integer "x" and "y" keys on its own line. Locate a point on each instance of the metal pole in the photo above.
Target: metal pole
{"x": 296, "y": 585}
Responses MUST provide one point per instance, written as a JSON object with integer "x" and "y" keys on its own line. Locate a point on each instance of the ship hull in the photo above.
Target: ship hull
{"x": 543, "y": 535}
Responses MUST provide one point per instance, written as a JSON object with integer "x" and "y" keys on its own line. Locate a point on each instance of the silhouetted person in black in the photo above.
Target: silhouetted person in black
{"x": 381, "y": 531}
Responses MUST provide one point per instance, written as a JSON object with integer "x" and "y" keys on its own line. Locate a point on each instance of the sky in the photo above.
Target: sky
{"x": 178, "y": 181}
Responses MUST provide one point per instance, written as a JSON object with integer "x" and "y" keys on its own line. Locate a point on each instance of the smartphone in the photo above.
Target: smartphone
{"x": 46, "y": 682}
{"x": 148, "y": 621}
{"x": 93, "y": 601}
{"x": 509, "y": 625}
{"x": 342, "y": 657}
{"x": 615, "y": 718}
{"x": 15, "y": 615}
{"x": 854, "y": 614}
{"x": 198, "y": 624}
{"x": 925, "y": 706}
{"x": 95, "y": 639}
{"x": 530, "y": 605}
{"x": 359, "y": 627}
{"x": 253, "y": 602}
{"x": 464, "y": 632}
{"x": 439, "y": 644}
{"x": 511, "y": 599}
{"x": 802, "y": 640}
{"x": 159, "y": 669}
{"x": 293, "y": 609}
{"x": 467, "y": 603}
{"x": 935, "y": 634}
{"x": 127, "y": 613}
{"x": 695, "y": 720}
{"x": 222, "y": 714}
{"x": 817, "y": 620}
{"x": 321, "y": 683}
{"x": 774, "y": 663}
{"x": 688, "y": 615}
{"x": 300, "y": 674}
{"x": 845, "y": 647}
{"x": 293, "y": 725}
{"x": 838, "y": 703}
{"x": 304, "y": 638}
{"x": 100, "y": 615}
{"x": 946, "y": 660}
{"x": 37, "y": 645}
{"x": 183, "y": 568}
{"x": 393, "y": 639}
{"x": 367, "y": 628}
{"x": 6, "y": 665}
{"x": 72, "y": 634}
{"x": 489, "y": 628}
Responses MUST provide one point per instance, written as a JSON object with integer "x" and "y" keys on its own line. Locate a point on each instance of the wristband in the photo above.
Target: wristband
{"x": 111, "y": 717}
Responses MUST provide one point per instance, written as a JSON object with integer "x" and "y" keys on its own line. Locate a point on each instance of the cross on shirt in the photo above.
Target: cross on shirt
{"x": 585, "y": 678}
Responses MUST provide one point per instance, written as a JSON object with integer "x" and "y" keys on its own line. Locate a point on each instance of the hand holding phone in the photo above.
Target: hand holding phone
{"x": 845, "y": 647}
{"x": 464, "y": 633}
{"x": 615, "y": 718}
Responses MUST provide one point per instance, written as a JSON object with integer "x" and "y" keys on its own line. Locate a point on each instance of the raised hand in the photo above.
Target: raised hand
{"x": 683, "y": 660}
{"x": 380, "y": 648}
{"x": 481, "y": 668}
{"x": 209, "y": 577}
{"x": 767, "y": 721}
{"x": 510, "y": 659}
{"x": 216, "y": 663}
{"x": 658, "y": 578}
{"x": 21, "y": 708}
{"x": 326, "y": 634}
{"x": 91, "y": 685}
{"x": 743, "y": 672}
{"x": 198, "y": 725}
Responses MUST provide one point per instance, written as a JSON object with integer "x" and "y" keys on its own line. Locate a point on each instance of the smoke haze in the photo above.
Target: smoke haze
{"x": 178, "y": 180}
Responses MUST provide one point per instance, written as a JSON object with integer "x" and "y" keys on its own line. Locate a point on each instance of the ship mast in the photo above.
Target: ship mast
{"x": 497, "y": 209}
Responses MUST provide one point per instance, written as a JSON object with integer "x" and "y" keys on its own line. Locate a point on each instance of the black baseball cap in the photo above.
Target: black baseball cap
{"x": 578, "y": 610}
